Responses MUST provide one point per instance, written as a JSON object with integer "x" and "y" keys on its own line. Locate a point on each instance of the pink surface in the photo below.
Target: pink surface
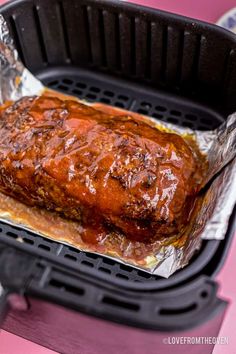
{"x": 207, "y": 10}
{"x": 11, "y": 344}
{"x": 226, "y": 280}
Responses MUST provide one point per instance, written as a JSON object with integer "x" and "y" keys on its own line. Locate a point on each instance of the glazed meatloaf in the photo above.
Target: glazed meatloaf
{"x": 108, "y": 172}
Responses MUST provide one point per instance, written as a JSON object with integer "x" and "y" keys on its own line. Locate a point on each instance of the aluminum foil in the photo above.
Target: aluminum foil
{"x": 217, "y": 201}
{"x": 15, "y": 80}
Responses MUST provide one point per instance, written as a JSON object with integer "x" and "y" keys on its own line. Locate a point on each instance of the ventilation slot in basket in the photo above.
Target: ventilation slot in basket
{"x": 120, "y": 304}
{"x": 64, "y": 31}
{"x": 17, "y": 36}
{"x": 40, "y": 34}
{"x": 62, "y": 286}
{"x": 177, "y": 311}
{"x": 169, "y": 113}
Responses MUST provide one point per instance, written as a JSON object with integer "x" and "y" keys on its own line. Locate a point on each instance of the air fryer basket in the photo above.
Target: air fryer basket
{"x": 165, "y": 66}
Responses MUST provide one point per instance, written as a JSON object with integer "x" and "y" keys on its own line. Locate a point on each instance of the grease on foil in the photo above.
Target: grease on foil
{"x": 219, "y": 199}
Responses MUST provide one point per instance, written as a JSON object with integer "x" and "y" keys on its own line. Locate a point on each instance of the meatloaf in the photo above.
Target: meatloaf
{"x": 108, "y": 172}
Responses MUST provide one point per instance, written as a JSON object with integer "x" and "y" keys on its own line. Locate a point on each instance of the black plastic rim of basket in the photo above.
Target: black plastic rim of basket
{"x": 211, "y": 246}
{"x": 140, "y": 9}
{"x": 214, "y": 253}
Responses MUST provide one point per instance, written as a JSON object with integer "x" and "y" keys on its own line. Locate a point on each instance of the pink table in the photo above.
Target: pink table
{"x": 210, "y": 11}
{"x": 207, "y": 10}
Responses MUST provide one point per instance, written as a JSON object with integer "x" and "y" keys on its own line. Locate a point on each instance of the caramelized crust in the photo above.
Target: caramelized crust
{"x": 108, "y": 172}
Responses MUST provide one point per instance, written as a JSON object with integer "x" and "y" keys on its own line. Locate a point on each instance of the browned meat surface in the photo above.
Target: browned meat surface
{"x": 108, "y": 172}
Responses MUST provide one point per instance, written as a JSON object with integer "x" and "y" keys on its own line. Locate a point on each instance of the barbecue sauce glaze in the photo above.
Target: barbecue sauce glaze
{"x": 113, "y": 173}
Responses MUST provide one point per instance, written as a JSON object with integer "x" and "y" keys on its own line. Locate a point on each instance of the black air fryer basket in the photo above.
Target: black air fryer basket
{"x": 169, "y": 67}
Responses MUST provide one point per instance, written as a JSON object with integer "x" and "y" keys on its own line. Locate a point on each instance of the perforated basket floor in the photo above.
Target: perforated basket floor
{"x": 101, "y": 88}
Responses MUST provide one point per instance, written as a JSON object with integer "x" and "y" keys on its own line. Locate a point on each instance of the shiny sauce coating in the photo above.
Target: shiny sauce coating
{"x": 114, "y": 174}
